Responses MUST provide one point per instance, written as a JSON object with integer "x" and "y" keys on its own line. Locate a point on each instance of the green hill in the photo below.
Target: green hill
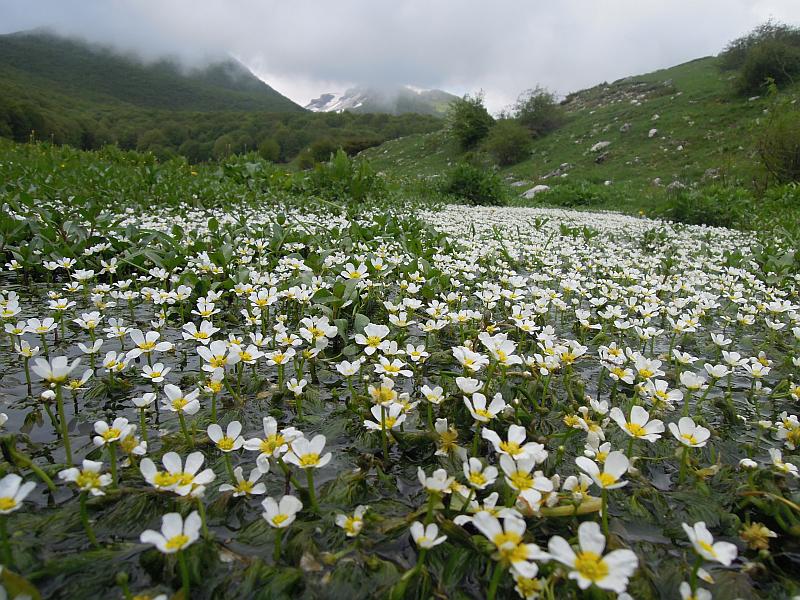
{"x": 704, "y": 132}
{"x": 70, "y": 92}
{"x": 99, "y": 75}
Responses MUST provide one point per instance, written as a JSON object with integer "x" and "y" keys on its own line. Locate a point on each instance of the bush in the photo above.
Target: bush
{"x": 343, "y": 179}
{"x": 508, "y": 142}
{"x": 479, "y": 186}
{"x": 581, "y": 193}
{"x": 735, "y": 53}
{"x": 715, "y": 205}
{"x": 538, "y": 110}
{"x": 770, "y": 61}
{"x": 779, "y": 144}
{"x": 468, "y": 121}
{"x": 269, "y": 149}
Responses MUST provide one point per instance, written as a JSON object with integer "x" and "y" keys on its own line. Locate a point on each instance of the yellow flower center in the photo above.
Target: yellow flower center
{"x": 352, "y": 525}
{"x": 7, "y": 503}
{"x": 147, "y": 346}
{"x": 635, "y": 429}
{"x": 707, "y": 547}
{"x": 225, "y": 443}
{"x": 477, "y": 478}
{"x": 278, "y": 519}
{"x": 201, "y": 335}
{"x": 521, "y": 480}
{"x": 689, "y": 438}
{"x": 245, "y": 486}
{"x": 177, "y": 542}
{"x": 511, "y": 448}
{"x": 270, "y": 444}
{"x": 309, "y": 460}
{"x": 591, "y": 566}
{"x": 179, "y": 403}
{"x": 155, "y": 374}
{"x": 111, "y": 434}
{"x": 164, "y": 479}
{"x": 217, "y": 361}
{"x": 373, "y": 341}
{"x": 482, "y": 412}
{"x": 607, "y": 479}
{"x": 88, "y": 480}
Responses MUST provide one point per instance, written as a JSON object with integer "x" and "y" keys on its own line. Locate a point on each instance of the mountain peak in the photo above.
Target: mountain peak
{"x": 395, "y": 100}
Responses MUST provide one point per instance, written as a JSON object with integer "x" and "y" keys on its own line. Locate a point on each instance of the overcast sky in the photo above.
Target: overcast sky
{"x": 306, "y": 47}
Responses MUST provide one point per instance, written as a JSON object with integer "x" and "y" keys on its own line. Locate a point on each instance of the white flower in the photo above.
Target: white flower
{"x": 426, "y": 536}
{"x": 231, "y": 440}
{"x": 281, "y": 514}
{"x": 478, "y": 409}
{"x": 688, "y": 433}
{"x": 515, "y": 446}
{"x": 56, "y": 371}
{"x": 508, "y": 540}
{"x": 13, "y": 492}
{"x": 588, "y": 566}
{"x": 89, "y": 478}
{"x": 352, "y": 524}
{"x": 175, "y": 535}
{"x": 703, "y": 542}
{"x": 176, "y": 401}
{"x": 390, "y": 419}
{"x": 306, "y": 454}
{"x": 245, "y": 487}
{"x": 439, "y": 482}
{"x": 479, "y": 476}
{"x": 614, "y": 467}
{"x": 639, "y": 425}
{"x": 118, "y": 430}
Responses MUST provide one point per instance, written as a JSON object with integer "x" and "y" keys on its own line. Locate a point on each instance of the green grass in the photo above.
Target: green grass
{"x": 697, "y": 110}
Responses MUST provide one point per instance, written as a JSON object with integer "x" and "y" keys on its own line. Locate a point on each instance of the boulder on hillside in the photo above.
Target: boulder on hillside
{"x": 652, "y": 133}
{"x": 535, "y": 190}
{"x": 600, "y": 146}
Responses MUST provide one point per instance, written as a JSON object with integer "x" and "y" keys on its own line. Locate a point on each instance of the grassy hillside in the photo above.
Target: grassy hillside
{"x": 93, "y": 74}
{"x": 704, "y": 131}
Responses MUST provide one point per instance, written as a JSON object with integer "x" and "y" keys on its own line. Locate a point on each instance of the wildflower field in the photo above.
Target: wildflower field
{"x": 214, "y": 389}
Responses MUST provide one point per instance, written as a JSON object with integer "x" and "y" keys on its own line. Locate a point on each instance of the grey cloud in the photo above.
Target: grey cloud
{"x": 503, "y": 47}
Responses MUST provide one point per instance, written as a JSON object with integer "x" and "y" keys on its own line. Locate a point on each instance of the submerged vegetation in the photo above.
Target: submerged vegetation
{"x": 229, "y": 380}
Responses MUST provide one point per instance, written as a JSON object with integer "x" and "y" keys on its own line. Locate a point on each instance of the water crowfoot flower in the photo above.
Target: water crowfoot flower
{"x": 588, "y": 566}
{"x": 306, "y": 454}
{"x": 12, "y": 493}
{"x": 280, "y": 515}
{"x": 175, "y": 536}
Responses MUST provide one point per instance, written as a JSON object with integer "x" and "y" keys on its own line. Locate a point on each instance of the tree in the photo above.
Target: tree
{"x": 269, "y": 149}
{"x": 538, "y": 110}
{"x": 468, "y": 121}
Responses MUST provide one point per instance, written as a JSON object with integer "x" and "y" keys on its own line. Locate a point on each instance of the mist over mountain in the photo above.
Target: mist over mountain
{"x": 392, "y": 100}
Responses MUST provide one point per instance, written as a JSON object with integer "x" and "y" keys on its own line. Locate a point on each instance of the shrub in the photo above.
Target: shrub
{"x": 779, "y": 144}
{"x": 715, "y": 205}
{"x": 735, "y": 53}
{"x": 481, "y": 187}
{"x": 508, "y": 142}
{"x": 468, "y": 121}
{"x": 581, "y": 193}
{"x": 771, "y": 60}
{"x": 538, "y": 110}
{"x": 343, "y": 179}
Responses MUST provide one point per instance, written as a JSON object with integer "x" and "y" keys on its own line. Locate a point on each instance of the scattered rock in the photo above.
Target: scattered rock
{"x": 607, "y": 182}
{"x": 600, "y": 146}
{"x": 652, "y": 133}
{"x": 656, "y": 182}
{"x": 655, "y": 117}
{"x": 626, "y": 127}
{"x": 675, "y": 186}
{"x": 519, "y": 183}
{"x": 601, "y": 157}
{"x": 535, "y": 190}
{"x": 713, "y": 173}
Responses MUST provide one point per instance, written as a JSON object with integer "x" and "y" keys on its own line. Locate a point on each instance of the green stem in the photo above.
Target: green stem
{"x": 63, "y": 423}
{"x": 184, "y": 573}
{"x": 384, "y": 437}
{"x": 312, "y": 494}
{"x": 276, "y": 554}
{"x": 214, "y": 407}
{"x": 112, "y": 458}
{"x": 684, "y": 462}
{"x": 604, "y": 509}
{"x": 630, "y": 447}
{"x": 8, "y": 557}
{"x": 497, "y": 575}
{"x": 229, "y": 467}
{"x": 431, "y": 503}
{"x": 185, "y": 431}
{"x": 85, "y": 520}
{"x": 143, "y": 424}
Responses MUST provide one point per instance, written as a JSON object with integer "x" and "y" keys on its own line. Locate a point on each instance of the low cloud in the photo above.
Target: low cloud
{"x": 308, "y": 47}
